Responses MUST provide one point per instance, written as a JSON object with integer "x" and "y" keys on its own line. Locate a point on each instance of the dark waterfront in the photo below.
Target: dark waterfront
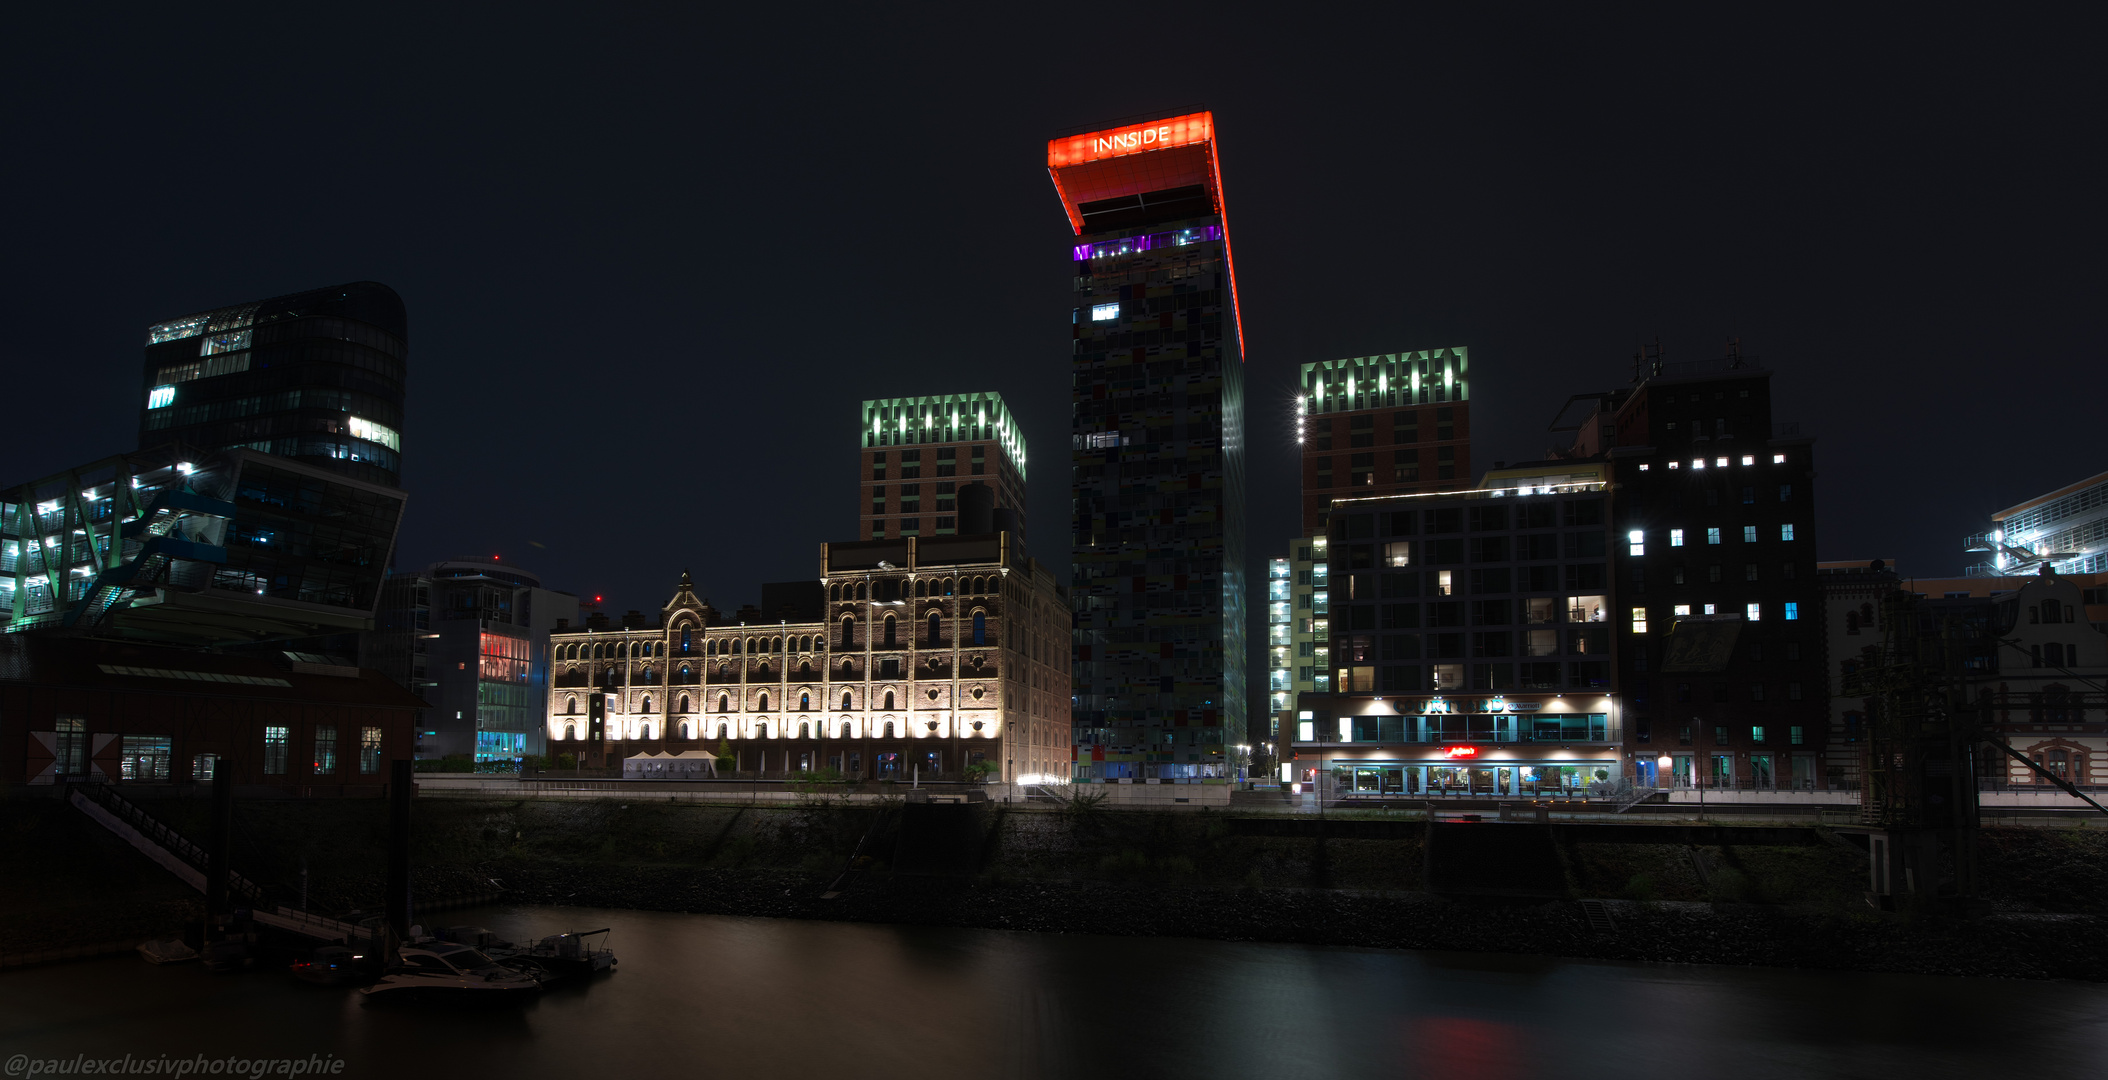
{"x": 709, "y": 995}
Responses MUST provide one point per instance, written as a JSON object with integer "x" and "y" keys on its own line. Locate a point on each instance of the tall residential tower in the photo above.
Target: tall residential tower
{"x": 1394, "y": 424}
{"x": 1156, "y": 453}
{"x": 918, "y": 451}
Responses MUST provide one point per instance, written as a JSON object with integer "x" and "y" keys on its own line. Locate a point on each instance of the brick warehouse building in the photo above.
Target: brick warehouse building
{"x": 932, "y": 654}
{"x": 1716, "y": 604}
{"x": 96, "y": 710}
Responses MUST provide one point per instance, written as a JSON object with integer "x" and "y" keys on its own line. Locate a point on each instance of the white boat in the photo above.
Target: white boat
{"x": 167, "y": 951}
{"x": 445, "y": 972}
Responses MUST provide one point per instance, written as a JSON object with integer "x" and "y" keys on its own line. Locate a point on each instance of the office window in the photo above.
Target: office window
{"x": 1753, "y": 612}
{"x": 1639, "y": 620}
{"x": 1793, "y": 689}
{"x": 1756, "y": 734}
{"x": 1793, "y": 735}
{"x": 1637, "y": 540}
{"x": 1785, "y": 532}
{"x": 1712, "y": 536}
{"x": 1749, "y": 571}
{"x": 325, "y": 750}
{"x": 1793, "y": 609}
{"x": 1675, "y": 537}
{"x": 1785, "y": 492}
{"x": 1749, "y": 534}
{"x": 1778, "y": 459}
{"x": 276, "y": 744}
{"x": 1749, "y": 494}
{"x": 369, "y": 750}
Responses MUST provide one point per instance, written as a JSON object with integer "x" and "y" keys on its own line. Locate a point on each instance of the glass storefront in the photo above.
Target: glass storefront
{"x": 1380, "y": 778}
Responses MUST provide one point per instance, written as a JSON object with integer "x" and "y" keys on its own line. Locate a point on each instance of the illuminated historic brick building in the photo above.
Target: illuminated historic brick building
{"x": 916, "y": 454}
{"x": 1156, "y": 453}
{"x": 933, "y": 654}
{"x": 1395, "y": 424}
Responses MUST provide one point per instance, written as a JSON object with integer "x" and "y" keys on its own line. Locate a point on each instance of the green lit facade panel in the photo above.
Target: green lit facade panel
{"x": 1386, "y": 380}
{"x": 947, "y": 418}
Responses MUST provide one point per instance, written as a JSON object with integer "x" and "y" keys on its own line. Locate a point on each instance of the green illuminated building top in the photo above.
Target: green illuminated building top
{"x": 1420, "y": 377}
{"x": 946, "y": 418}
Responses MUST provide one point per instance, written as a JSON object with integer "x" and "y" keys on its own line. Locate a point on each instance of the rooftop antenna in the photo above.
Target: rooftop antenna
{"x": 1647, "y": 362}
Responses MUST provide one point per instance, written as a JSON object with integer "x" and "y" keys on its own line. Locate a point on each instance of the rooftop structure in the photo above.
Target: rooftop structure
{"x": 2066, "y": 530}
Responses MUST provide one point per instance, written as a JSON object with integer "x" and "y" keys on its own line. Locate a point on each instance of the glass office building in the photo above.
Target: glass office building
{"x": 316, "y": 377}
{"x": 1157, "y": 583}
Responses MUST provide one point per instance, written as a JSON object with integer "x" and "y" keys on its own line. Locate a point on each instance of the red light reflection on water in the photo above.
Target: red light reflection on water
{"x": 1461, "y": 1047}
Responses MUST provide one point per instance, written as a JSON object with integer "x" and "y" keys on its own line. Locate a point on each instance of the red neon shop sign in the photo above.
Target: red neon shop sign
{"x": 1460, "y": 751}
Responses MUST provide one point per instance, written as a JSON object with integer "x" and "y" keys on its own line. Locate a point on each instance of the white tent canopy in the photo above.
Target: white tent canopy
{"x": 686, "y": 765}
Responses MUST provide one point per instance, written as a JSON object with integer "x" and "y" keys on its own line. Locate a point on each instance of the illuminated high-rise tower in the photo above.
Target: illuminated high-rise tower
{"x": 1157, "y": 453}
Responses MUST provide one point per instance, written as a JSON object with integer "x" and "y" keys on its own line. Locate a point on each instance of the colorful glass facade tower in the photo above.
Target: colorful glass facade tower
{"x": 917, "y": 453}
{"x": 1157, "y": 584}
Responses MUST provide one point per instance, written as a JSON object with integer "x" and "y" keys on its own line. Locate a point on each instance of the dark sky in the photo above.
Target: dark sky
{"x": 655, "y": 256}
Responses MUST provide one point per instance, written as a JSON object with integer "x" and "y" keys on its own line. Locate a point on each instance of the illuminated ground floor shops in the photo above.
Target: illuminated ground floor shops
{"x": 1375, "y": 746}
{"x": 852, "y": 758}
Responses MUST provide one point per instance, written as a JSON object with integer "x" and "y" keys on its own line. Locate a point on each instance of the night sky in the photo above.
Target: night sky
{"x": 654, "y": 257}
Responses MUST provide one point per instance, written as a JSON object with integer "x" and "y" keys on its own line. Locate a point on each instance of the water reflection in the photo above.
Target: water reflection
{"x": 724, "y": 996}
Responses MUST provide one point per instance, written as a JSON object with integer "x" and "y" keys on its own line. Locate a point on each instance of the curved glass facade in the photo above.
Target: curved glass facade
{"x": 316, "y": 376}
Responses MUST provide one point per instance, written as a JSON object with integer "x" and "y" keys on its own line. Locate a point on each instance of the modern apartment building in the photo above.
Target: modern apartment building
{"x": 1393, "y": 424}
{"x": 917, "y": 452}
{"x": 1156, "y": 453}
{"x": 316, "y": 377}
{"x": 471, "y": 637}
{"x": 1470, "y": 643}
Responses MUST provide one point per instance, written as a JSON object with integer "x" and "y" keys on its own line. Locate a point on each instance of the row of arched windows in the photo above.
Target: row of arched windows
{"x": 724, "y": 702}
{"x": 624, "y": 650}
{"x": 724, "y": 731}
{"x": 976, "y": 585}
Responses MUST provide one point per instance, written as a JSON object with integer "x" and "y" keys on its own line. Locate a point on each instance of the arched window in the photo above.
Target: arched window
{"x": 776, "y": 645}
{"x": 889, "y": 631}
{"x": 847, "y": 727}
{"x": 684, "y": 730}
{"x": 735, "y": 646}
{"x": 571, "y": 705}
{"x": 647, "y": 704}
{"x": 685, "y": 673}
{"x": 922, "y": 588}
{"x": 889, "y": 729}
{"x": 804, "y": 702}
{"x": 724, "y": 730}
{"x": 936, "y": 629}
{"x": 980, "y": 628}
{"x": 570, "y": 732}
{"x": 848, "y": 668}
{"x": 805, "y": 669}
{"x": 686, "y": 643}
{"x": 684, "y": 703}
{"x": 860, "y": 591}
{"x": 846, "y": 699}
{"x": 764, "y": 702}
{"x": 644, "y": 730}
{"x": 804, "y": 730}
{"x": 724, "y": 703}
{"x": 1866, "y": 616}
{"x": 848, "y": 631}
{"x": 889, "y": 699}
{"x": 1851, "y": 622}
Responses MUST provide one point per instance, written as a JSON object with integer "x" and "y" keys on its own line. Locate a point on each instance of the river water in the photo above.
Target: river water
{"x": 718, "y": 996}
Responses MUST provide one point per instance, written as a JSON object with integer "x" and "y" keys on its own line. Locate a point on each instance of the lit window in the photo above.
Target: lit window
{"x": 372, "y": 432}
{"x": 1749, "y": 534}
{"x": 1643, "y": 467}
{"x": 1756, "y": 734}
{"x": 1753, "y": 612}
{"x": 1683, "y": 609}
{"x": 1722, "y": 462}
{"x": 1749, "y": 459}
{"x": 1778, "y": 459}
{"x": 1793, "y": 735}
{"x": 1698, "y": 463}
{"x": 1675, "y": 537}
{"x": 161, "y": 397}
{"x": 1674, "y": 464}
{"x": 1105, "y": 312}
{"x": 1785, "y": 532}
{"x": 1711, "y": 610}
{"x": 1712, "y": 536}
{"x": 1639, "y": 620}
{"x": 1793, "y": 610}
{"x": 1638, "y": 541}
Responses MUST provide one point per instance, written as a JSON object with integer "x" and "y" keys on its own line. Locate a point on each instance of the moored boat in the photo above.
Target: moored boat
{"x": 442, "y": 972}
